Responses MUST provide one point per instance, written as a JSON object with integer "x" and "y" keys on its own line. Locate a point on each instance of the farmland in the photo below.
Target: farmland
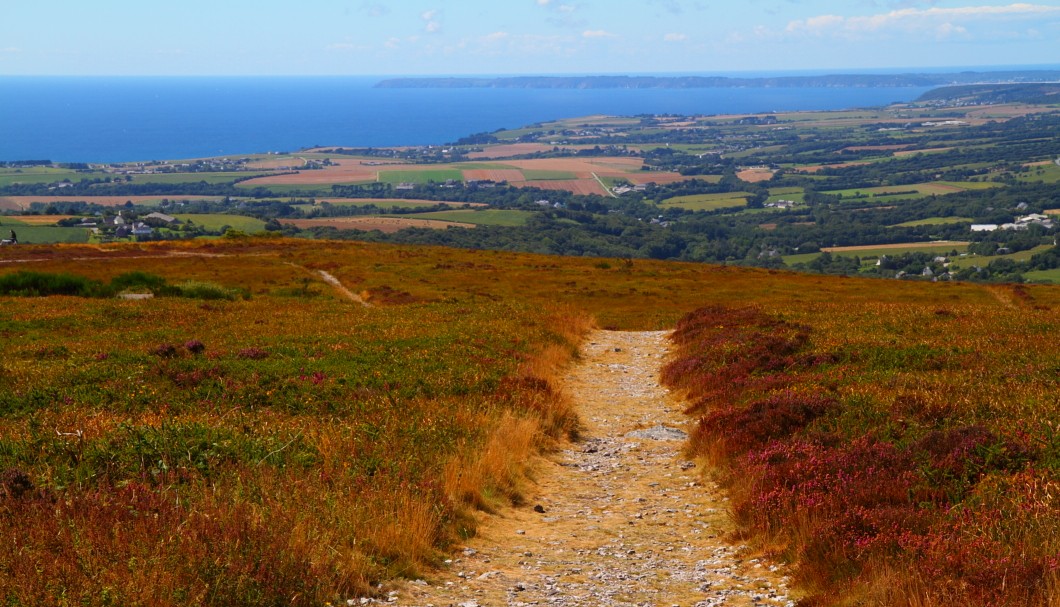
{"x": 244, "y": 415}
{"x": 771, "y": 190}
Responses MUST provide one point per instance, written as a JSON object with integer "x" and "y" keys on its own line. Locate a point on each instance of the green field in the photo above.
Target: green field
{"x": 488, "y": 217}
{"x": 38, "y": 234}
{"x": 708, "y": 202}
{"x": 215, "y": 221}
{"x": 395, "y": 203}
{"x": 984, "y": 260}
{"x": 1050, "y": 276}
{"x": 933, "y": 221}
{"x": 1046, "y": 174}
{"x": 793, "y": 194}
{"x": 286, "y": 189}
{"x": 877, "y": 252}
{"x": 41, "y": 175}
{"x": 211, "y": 178}
{"x": 421, "y": 176}
{"x": 532, "y": 175}
{"x": 909, "y": 192}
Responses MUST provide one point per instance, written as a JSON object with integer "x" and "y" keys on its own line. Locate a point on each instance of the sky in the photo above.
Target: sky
{"x": 507, "y": 37}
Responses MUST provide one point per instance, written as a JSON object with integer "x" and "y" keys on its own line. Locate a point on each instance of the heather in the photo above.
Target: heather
{"x": 896, "y": 440}
{"x": 900, "y": 454}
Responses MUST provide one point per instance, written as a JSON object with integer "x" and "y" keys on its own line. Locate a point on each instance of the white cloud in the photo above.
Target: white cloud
{"x": 916, "y": 19}
{"x": 433, "y": 19}
{"x": 598, "y": 34}
{"x": 544, "y": 2}
{"x": 495, "y": 37}
{"x": 374, "y": 9}
{"x": 949, "y": 30}
{"x": 675, "y": 37}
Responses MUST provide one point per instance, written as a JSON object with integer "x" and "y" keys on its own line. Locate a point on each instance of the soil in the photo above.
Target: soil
{"x": 619, "y": 518}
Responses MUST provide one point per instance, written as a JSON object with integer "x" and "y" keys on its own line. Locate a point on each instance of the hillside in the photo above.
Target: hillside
{"x": 941, "y": 190}
{"x": 992, "y": 94}
{"x": 250, "y": 436}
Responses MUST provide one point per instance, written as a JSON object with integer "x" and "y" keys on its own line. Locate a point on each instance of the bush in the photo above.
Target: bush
{"x": 41, "y": 284}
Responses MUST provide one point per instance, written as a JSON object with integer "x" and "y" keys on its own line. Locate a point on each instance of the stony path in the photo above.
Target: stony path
{"x": 618, "y": 519}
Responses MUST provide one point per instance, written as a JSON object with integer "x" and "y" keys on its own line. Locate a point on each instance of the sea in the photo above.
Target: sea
{"x": 126, "y": 119}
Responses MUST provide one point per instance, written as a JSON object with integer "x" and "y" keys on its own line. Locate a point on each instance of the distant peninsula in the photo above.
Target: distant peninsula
{"x": 695, "y": 82}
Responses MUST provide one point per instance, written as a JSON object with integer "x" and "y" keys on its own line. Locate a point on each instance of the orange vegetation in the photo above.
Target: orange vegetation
{"x": 38, "y": 220}
{"x": 755, "y": 175}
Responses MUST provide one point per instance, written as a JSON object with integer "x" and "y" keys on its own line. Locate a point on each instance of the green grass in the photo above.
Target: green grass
{"x": 1051, "y": 276}
{"x": 708, "y": 202}
{"x": 1017, "y": 256}
{"x": 912, "y": 248}
{"x": 489, "y": 217}
{"x": 933, "y": 221}
{"x": 1045, "y": 174}
{"x": 420, "y": 176}
{"x": 286, "y": 189}
{"x": 42, "y": 175}
{"x": 215, "y": 221}
{"x": 396, "y": 203}
{"x": 533, "y": 175}
{"x": 28, "y": 234}
{"x": 211, "y": 178}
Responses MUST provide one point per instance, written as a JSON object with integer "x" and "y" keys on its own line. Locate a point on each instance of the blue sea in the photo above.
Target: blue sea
{"x": 118, "y": 119}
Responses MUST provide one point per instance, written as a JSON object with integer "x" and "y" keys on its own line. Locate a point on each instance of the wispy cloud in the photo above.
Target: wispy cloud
{"x": 374, "y": 9}
{"x": 598, "y": 34}
{"x": 916, "y": 19}
{"x": 433, "y": 21}
{"x": 675, "y": 37}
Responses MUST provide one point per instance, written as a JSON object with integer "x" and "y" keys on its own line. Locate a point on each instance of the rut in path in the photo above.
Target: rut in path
{"x": 623, "y": 520}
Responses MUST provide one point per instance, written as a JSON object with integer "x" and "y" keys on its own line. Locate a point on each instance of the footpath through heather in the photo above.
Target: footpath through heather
{"x": 617, "y": 519}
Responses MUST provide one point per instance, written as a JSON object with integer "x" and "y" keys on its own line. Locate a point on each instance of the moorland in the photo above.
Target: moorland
{"x": 203, "y": 417}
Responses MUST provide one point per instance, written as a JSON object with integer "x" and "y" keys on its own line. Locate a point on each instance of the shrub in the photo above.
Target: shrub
{"x": 41, "y": 284}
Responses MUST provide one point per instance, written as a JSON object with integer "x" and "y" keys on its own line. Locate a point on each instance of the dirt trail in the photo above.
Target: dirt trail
{"x": 618, "y": 519}
{"x": 342, "y": 290}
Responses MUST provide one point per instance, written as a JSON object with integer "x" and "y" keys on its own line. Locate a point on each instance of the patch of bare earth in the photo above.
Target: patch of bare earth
{"x": 618, "y": 519}
{"x": 755, "y": 175}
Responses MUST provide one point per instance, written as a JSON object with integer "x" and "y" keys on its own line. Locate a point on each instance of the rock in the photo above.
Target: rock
{"x": 659, "y": 432}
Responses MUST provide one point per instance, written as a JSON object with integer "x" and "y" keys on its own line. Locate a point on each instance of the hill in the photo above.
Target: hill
{"x": 994, "y": 94}
{"x": 249, "y": 435}
{"x": 685, "y": 82}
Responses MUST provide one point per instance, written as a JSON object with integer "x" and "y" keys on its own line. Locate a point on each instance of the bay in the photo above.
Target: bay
{"x": 122, "y": 119}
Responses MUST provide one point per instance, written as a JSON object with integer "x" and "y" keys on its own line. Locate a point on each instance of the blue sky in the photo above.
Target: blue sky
{"x": 436, "y": 37}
